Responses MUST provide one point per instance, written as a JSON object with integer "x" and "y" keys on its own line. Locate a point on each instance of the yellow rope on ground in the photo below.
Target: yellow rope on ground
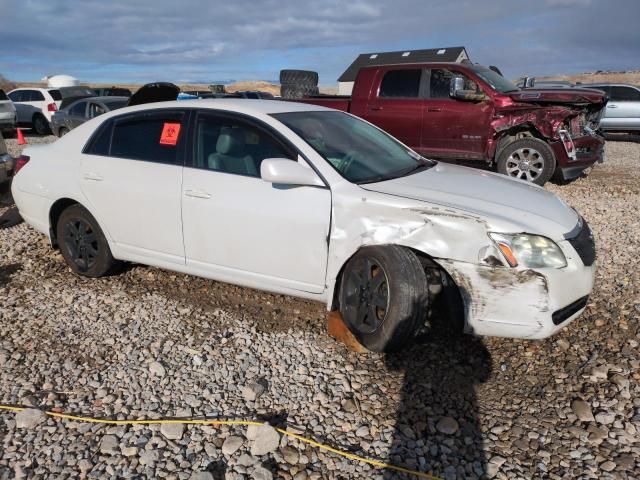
{"x": 342, "y": 453}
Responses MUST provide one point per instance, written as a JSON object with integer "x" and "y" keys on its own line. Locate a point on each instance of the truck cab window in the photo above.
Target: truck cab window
{"x": 401, "y": 83}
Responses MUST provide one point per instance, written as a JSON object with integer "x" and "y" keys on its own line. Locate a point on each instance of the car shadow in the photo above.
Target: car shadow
{"x": 6, "y": 271}
{"x": 437, "y": 428}
{"x": 622, "y": 137}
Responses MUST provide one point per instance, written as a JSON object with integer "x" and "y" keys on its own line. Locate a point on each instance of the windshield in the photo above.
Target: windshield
{"x": 360, "y": 152}
{"x": 495, "y": 80}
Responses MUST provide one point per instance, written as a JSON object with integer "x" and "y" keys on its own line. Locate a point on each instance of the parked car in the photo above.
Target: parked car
{"x": 306, "y": 201}
{"x": 6, "y": 163}
{"x": 112, "y": 92}
{"x": 465, "y": 111}
{"x": 8, "y": 117}
{"x": 35, "y": 106}
{"x": 623, "y": 109}
{"x": 78, "y": 112}
{"x": 255, "y": 94}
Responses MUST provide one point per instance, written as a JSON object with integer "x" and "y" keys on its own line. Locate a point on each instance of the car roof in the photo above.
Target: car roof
{"x": 239, "y": 105}
{"x": 46, "y": 89}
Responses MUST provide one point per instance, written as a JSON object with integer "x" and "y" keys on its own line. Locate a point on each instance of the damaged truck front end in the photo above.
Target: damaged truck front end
{"x": 568, "y": 120}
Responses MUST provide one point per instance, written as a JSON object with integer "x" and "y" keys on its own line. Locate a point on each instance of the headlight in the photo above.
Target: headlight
{"x": 532, "y": 251}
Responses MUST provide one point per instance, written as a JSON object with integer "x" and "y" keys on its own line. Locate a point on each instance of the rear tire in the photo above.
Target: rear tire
{"x": 528, "y": 159}
{"x": 40, "y": 125}
{"x": 384, "y": 297}
{"x": 63, "y": 131}
{"x": 82, "y": 243}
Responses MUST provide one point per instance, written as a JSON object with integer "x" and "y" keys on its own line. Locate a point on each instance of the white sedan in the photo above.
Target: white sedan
{"x": 311, "y": 202}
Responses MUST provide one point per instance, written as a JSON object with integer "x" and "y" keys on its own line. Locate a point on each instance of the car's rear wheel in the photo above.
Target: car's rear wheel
{"x": 383, "y": 297}
{"x": 40, "y": 124}
{"x": 63, "y": 131}
{"x": 82, "y": 243}
{"x": 528, "y": 159}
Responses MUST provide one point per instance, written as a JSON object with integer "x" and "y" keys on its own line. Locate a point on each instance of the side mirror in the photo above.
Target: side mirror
{"x": 529, "y": 82}
{"x": 457, "y": 91}
{"x": 288, "y": 172}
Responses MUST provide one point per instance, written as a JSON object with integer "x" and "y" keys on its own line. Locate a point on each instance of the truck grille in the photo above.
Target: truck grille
{"x": 584, "y": 244}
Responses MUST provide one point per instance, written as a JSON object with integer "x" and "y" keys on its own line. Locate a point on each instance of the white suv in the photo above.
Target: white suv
{"x": 35, "y": 106}
{"x": 7, "y": 112}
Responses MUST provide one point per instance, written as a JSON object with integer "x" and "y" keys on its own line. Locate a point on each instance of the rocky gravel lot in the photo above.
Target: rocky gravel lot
{"x": 150, "y": 343}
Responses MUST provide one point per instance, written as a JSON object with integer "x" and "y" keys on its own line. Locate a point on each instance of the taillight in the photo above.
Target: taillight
{"x": 52, "y": 107}
{"x": 21, "y": 161}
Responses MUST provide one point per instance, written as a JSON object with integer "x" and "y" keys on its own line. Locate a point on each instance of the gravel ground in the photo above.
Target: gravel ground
{"x": 150, "y": 343}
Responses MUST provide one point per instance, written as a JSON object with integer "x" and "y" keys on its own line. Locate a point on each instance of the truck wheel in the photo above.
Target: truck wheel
{"x": 299, "y": 77}
{"x": 294, "y": 92}
{"x": 528, "y": 159}
{"x": 384, "y": 297}
{"x": 40, "y": 124}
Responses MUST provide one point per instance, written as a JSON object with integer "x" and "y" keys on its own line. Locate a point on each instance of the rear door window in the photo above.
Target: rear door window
{"x": 401, "y": 84}
{"x": 153, "y": 137}
{"x": 625, "y": 94}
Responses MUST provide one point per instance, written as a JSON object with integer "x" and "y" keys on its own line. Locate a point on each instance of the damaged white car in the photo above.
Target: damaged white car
{"x": 311, "y": 202}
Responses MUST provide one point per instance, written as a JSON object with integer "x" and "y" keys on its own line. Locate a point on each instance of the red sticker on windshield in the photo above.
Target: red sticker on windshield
{"x": 169, "y": 135}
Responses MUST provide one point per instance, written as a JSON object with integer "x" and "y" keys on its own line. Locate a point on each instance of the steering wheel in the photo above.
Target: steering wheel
{"x": 349, "y": 158}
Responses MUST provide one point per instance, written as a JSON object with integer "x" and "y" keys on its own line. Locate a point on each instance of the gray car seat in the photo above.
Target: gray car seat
{"x": 230, "y": 155}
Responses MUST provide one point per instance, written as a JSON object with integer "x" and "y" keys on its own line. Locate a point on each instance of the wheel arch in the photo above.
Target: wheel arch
{"x": 516, "y": 132}
{"x": 55, "y": 211}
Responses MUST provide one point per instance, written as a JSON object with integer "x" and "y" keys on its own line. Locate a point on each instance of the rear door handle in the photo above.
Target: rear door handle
{"x": 96, "y": 177}
{"x": 375, "y": 109}
{"x": 434, "y": 109}
{"x": 197, "y": 194}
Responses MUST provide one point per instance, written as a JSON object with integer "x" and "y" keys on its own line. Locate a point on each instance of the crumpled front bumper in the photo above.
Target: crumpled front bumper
{"x": 589, "y": 150}
{"x": 522, "y": 303}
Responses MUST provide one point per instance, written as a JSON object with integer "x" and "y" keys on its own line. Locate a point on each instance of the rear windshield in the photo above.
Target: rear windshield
{"x": 3, "y": 96}
{"x": 55, "y": 94}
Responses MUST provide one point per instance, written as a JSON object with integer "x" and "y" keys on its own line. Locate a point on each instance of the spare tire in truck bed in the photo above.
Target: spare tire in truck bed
{"x": 299, "y": 77}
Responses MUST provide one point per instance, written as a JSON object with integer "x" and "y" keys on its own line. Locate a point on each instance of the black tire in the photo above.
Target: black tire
{"x": 63, "y": 131}
{"x": 402, "y": 288}
{"x": 299, "y": 77}
{"x": 294, "y": 92}
{"x": 529, "y": 159}
{"x": 82, "y": 243}
{"x": 40, "y": 124}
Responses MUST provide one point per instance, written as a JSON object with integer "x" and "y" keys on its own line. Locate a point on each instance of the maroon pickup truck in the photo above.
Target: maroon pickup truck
{"x": 468, "y": 112}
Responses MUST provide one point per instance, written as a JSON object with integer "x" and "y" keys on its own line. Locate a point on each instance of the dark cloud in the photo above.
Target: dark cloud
{"x": 201, "y": 39}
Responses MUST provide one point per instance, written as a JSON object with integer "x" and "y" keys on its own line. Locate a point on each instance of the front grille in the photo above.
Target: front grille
{"x": 561, "y": 315}
{"x": 584, "y": 244}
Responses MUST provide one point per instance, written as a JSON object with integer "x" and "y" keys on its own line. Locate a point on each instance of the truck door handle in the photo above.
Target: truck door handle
{"x": 96, "y": 177}
{"x": 375, "y": 109}
{"x": 197, "y": 194}
{"x": 434, "y": 109}
{"x": 612, "y": 106}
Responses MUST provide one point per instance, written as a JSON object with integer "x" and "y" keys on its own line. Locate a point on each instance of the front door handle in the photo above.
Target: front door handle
{"x": 434, "y": 109}
{"x": 197, "y": 194}
{"x": 96, "y": 177}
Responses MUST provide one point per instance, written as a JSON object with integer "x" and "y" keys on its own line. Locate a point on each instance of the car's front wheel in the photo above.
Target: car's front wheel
{"x": 82, "y": 243}
{"x": 384, "y": 297}
{"x": 529, "y": 159}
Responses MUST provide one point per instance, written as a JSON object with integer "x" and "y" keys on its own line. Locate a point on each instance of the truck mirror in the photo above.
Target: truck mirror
{"x": 456, "y": 85}
{"x": 529, "y": 82}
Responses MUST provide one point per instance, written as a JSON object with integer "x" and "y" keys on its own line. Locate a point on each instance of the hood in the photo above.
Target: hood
{"x": 154, "y": 92}
{"x": 506, "y": 204}
{"x": 568, "y": 96}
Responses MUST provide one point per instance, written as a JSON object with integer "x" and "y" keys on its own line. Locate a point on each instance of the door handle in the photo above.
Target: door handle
{"x": 375, "y": 109}
{"x": 434, "y": 109}
{"x": 96, "y": 177}
{"x": 197, "y": 194}
{"x": 612, "y": 106}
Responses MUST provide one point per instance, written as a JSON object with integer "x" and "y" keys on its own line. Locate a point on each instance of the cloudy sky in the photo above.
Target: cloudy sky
{"x": 214, "y": 41}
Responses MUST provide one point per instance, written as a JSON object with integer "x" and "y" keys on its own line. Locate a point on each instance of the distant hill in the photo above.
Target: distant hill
{"x": 632, "y": 77}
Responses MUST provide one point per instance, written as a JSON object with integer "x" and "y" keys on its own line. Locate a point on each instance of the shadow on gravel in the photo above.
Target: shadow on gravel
{"x": 10, "y": 218}
{"x": 7, "y": 270}
{"x": 438, "y": 413}
{"x": 217, "y": 470}
{"x": 622, "y": 137}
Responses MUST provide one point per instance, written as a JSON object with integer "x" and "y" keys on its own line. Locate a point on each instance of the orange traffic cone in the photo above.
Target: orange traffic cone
{"x": 21, "y": 139}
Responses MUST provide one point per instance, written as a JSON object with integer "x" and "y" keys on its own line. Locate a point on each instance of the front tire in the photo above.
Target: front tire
{"x": 384, "y": 297}
{"x": 82, "y": 243}
{"x": 528, "y": 159}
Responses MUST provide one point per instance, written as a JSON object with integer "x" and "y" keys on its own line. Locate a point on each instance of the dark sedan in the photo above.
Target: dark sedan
{"x": 81, "y": 110}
